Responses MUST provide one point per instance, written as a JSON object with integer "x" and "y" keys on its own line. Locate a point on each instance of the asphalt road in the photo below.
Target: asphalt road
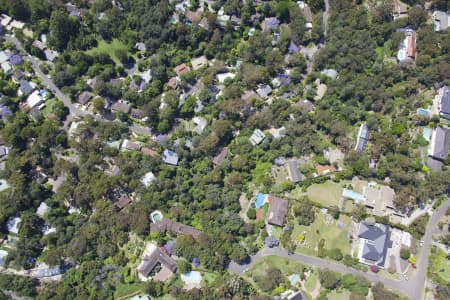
{"x": 413, "y": 288}
{"x": 73, "y": 110}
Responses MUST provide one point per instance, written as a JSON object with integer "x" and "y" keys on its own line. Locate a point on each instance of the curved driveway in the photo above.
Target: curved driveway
{"x": 413, "y": 289}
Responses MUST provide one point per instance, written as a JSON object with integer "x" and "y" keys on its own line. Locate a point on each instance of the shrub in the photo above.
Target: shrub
{"x": 251, "y": 213}
{"x": 405, "y": 253}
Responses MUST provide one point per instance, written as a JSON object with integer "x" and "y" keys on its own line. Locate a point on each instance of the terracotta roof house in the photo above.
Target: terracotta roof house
{"x": 122, "y": 201}
{"x": 121, "y": 106}
{"x": 182, "y": 69}
{"x": 375, "y": 239}
{"x": 278, "y": 209}
{"x": 439, "y": 143}
{"x": 362, "y": 139}
{"x": 148, "y": 151}
{"x": 219, "y": 158}
{"x": 84, "y": 97}
{"x": 165, "y": 225}
{"x": 324, "y": 169}
{"x": 407, "y": 49}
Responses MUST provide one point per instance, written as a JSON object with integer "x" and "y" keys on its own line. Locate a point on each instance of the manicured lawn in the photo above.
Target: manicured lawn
{"x": 123, "y": 290}
{"x": 286, "y": 266}
{"x": 326, "y": 194}
{"x": 334, "y": 237}
{"x": 311, "y": 282}
{"x": 109, "y": 48}
{"x": 341, "y": 295}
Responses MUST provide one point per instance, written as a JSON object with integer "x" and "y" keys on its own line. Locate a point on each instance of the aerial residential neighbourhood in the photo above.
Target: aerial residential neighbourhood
{"x": 222, "y": 149}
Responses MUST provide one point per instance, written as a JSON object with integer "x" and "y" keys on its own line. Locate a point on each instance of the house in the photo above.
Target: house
{"x": 308, "y": 17}
{"x": 224, "y": 76}
{"x": 148, "y": 178}
{"x": 137, "y": 113}
{"x": 278, "y": 133}
{"x": 6, "y": 67}
{"x": 122, "y": 201}
{"x": 149, "y": 152}
{"x": 129, "y": 145}
{"x": 200, "y": 124}
{"x": 16, "y": 25}
{"x": 362, "y": 139}
{"x": 324, "y": 169}
{"x": 439, "y": 143}
{"x": 182, "y": 69}
{"x": 84, "y": 97}
{"x": 140, "y": 47}
{"x": 330, "y": 73}
{"x": 444, "y": 102}
{"x": 4, "y": 57}
{"x": 219, "y": 158}
{"x": 223, "y": 20}
{"x": 46, "y": 272}
{"x": 50, "y": 55}
{"x": 170, "y": 157}
{"x": 5, "y": 20}
{"x": 264, "y": 91}
{"x": 165, "y": 225}
{"x": 12, "y": 225}
{"x": 34, "y": 100}
{"x": 121, "y": 106}
{"x": 257, "y": 137}
{"x": 194, "y": 16}
{"x": 375, "y": 239}
{"x": 173, "y": 83}
{"x": 156, "y": 264}
{"x": 293, "y": 171}
{"x": 441, "y": 20}
{"x": 25, "y": 88}
{"x": 17, "y": 76}
{"x": 400, "y": 9}
{"x": 199, "y": 62}
{"x": 270, "y": 24}
{"x": 278, "y": 209}
{"x": 407, "y": 49}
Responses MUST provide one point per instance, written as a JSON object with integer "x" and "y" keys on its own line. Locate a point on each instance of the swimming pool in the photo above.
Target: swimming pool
{"x": 426, "y": 133}
{"x": 260, "y": 200}
{"x": 424, "y": 112}
{"x": 353, "y": 195}
{"x": 193, "y": 276}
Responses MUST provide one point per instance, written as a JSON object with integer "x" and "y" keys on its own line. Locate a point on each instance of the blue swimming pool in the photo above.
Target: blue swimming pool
{"x": 260, "y": 200}
{"x": 426, "y": 133}
{"x": 424, "y": 112}
{"x": 349, "y": 194}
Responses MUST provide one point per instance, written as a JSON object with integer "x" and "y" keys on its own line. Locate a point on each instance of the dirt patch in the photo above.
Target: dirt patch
{"x": 243, "y": 201}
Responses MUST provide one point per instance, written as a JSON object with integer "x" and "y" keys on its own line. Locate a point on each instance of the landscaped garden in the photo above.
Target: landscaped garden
{"x": 326, "y": 194}
{"x": 334, "y": 232}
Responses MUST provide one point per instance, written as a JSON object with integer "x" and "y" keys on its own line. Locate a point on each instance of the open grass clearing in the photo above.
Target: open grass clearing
{"x": 311, "y": 282}
{"x": 443, "y": 266}
{"x": 339, "y": 295}
{"x": 335, "y": 236}
{"x": 326, "y": 194}
{"x": 109, "y": 49}
{"x": 286, "y": 266}
{"x": 123, "y": 291}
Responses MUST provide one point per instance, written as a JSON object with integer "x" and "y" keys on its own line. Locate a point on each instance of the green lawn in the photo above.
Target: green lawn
{"x": 443, "y": 264}
{"x": 49, "y": 104}
{"x": 123, "y": 290}
{"x": 334, "y": 237}
{"x": 109, "y": 48}
{"x": 311, "y": 282}
{"x": 286, "y": 266}
{"x": 208, "y": 279}
{"x": 341, "y": 295}
{"x": 326, "y": 194}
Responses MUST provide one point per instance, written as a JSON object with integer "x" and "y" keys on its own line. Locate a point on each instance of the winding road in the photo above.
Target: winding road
{"x": 413, "y": 288}
{"x": 74, "y": 111}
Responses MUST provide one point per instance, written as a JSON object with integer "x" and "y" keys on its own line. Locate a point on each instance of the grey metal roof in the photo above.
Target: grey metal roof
{"x": 363, "y": 138}
{"x": 294, "y": 172}
{"x": 378, "y": 238}
{"x": 445, "y": 103}
{"x": 441, "y": 143}
{"x": 170, "y": 157}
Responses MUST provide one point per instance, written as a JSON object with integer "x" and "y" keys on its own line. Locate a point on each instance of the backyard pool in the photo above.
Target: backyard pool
{"x": 260, "y": 200}
{"x": 426, "y": 133}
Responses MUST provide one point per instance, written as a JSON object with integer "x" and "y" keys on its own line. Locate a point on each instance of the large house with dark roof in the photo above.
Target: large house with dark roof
{"x": 375, "y": 240}
{"x": 363, "y": 138}
{"x": 157, "y": 264}
{"x": 165, "y": 225}
{"x": 444, "y": 103}
{"x": 278, "y": 209}
{"x": 439, "y": 143}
